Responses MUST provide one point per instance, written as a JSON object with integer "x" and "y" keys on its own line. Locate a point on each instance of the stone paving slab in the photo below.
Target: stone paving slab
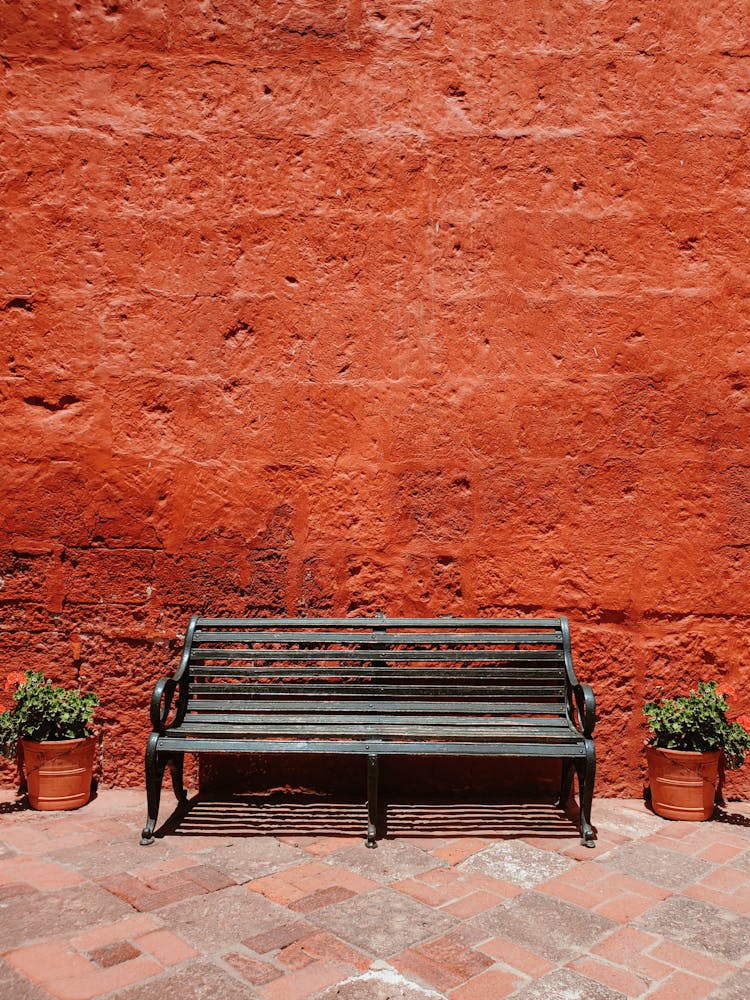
{"x": 658, "y": 910}
{"x": 701, "y": 926}
{"x": 517, "y": 862}
{"x": 656, "y": 864}
{"x": 567, "y": 985}
{"x": 390, "y": 862}
{"x": 550, "y": 927}
{"x": 383, "y": 922}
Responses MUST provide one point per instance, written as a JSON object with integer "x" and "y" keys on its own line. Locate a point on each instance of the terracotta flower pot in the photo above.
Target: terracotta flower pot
{"x": 58, "y": 773}
{"x": 683, "y": 784}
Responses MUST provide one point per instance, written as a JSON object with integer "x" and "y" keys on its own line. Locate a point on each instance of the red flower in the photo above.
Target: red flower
{"x": 744, "y": 721}
{"x": 725, "y": 691}
{"x": 14, "y": 678}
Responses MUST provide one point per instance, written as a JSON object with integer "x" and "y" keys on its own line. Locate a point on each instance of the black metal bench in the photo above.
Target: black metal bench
{"x": 374, "y": 686}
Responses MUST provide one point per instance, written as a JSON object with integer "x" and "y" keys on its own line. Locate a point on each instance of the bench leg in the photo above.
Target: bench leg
{"x": 372, "y": 800}
{"x": 176, "y": 767}
{"x": 154, "y": 775}
{"x": 586, "y": 773}
{"x": 566, "y": 783}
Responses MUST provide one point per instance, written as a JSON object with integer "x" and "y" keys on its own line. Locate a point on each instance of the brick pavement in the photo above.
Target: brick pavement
{"x": 463, "y": 903}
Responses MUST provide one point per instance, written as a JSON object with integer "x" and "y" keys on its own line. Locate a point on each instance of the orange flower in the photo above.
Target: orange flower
{"x": 725, "y": 691}
{"x": 744, "y": 721}
{"x": 14, "y": 678}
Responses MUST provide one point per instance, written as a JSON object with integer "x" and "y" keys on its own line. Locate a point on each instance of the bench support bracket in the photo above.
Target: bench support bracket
{"x": 586, "y": 770}
{"x": 372, "y": 800}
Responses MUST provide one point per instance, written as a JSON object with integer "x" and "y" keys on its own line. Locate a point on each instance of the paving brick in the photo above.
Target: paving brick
{"x": 586, "y": 897}
{"x": 304, "y": 983}
{"x": 328, "y": 948}
{"x": 698, "y": 925}
{"x": 617, "y": 882}
{"x": 649, "y": 968}
{"x": 166, "y": 947}
{"x": 706, "y": 966}
{"x": 469, "y": 906}
{"x": 208, "y": 878}
{"x": 720, "y": 853}
{"x": 623, "y": 944}
{"x": 430, "y": 894}
{"x": 736, "y": 902}
{"x": 42, "y": 875}
{"x": 254, "y": 971}
{"x": 459, "y": 850}
{"x": 493, "y": 983}
{"x": 114, "y": 954}
{"x": 547, "y": 926}
{"x": 129, "y": 928}
{"x": 294, "y": 956}
{"x": 443, "y": 963}
{"x": 321, "y": 897}
{"x": 44, "y": 962}
{"x": 324, "y": 846}
{"x": 162, "y": 892}
{"x": 726, "y": 879}
{"x": 277, "y": 937}
{"x": 609, "y": 975}
{"x": 292, "y": 884}
{"x": 479, "y": 882}
{"x": 683, "y": 986}
{"x": 503, "y": 950}
{"x": 625, "y": 907}
{"x": 91, "y": 984}
{"x": 417, "y": 968}
{"x": 382, "y": 922}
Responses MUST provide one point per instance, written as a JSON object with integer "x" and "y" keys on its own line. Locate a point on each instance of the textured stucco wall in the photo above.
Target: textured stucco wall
{"x": 343, "y": 306}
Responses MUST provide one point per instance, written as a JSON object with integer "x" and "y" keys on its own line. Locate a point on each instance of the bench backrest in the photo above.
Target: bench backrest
{"x": 449, "y": 667}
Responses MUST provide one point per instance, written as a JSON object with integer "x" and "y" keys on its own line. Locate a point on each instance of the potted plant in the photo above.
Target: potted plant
{"x": 690, "y": 736}
{"x": 51, "y": 726}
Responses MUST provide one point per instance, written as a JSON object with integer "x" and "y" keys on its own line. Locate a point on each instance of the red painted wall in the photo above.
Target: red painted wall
{"x": 342, "y": 306}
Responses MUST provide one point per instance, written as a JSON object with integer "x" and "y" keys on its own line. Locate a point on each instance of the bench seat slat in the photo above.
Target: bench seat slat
{"x": 210, "y": 706}
{"x": 381, "y": 639}
{"x": 380, "y": 655}
{"x": 507, "y": 747}
{"x": 335, "y": 716}
{"x": 350, "y": 689}
{"x": 483, "y": 729}
{"x": 372, "y": 624}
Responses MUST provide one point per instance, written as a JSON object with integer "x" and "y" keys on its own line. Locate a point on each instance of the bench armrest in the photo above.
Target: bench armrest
{"x": 161, "y": 705}
{"x": 161, "y": 699}
{"x": 586, "y": 705}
